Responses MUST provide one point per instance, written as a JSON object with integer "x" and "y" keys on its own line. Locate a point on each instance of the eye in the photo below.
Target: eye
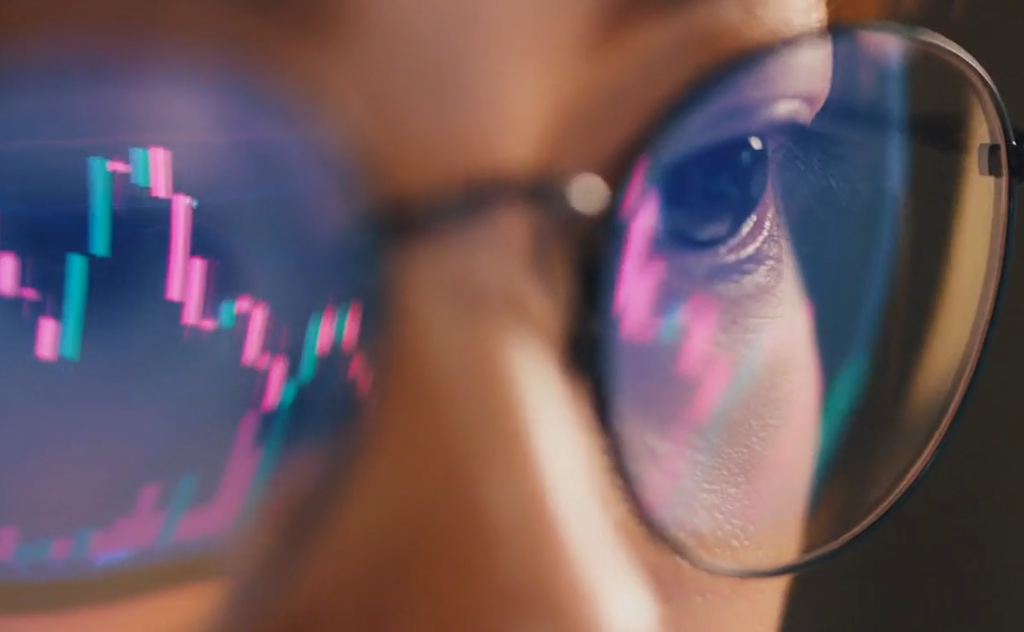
{"x": 708, "y": 197}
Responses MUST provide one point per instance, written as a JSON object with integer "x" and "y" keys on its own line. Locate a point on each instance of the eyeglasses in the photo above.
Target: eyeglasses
{"x": 785, "y": 302}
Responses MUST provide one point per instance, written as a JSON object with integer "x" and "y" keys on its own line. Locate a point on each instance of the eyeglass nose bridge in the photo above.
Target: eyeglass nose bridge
{"x": 566, "y": 200}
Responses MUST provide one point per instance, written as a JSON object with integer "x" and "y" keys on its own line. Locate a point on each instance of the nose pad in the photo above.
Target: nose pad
{"x": 480, "y": 498}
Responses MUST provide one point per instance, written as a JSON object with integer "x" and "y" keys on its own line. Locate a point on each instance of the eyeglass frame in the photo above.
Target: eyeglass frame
{"x": 396, "y": 223}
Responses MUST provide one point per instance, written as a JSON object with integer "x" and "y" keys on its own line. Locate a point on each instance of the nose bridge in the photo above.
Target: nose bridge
{"x": 485, "y": 448}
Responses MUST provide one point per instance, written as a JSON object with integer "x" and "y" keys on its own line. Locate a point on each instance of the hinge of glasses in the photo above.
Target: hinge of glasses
{"x": 992, "y": 161}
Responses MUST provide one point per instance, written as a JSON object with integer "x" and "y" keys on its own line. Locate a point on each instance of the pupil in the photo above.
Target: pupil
{"x": 707, "y": 198}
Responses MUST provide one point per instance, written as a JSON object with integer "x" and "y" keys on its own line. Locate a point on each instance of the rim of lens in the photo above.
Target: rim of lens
{"x": 996, "y": 115}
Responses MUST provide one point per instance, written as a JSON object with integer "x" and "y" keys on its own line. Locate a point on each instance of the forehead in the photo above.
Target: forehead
{"x": 283, "y": 30}
{"x": 21, "y": 14}
{"x": 411, "y": 78}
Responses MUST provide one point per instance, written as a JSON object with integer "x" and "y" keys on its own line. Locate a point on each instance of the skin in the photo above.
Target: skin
{"x": 482, "y": 497}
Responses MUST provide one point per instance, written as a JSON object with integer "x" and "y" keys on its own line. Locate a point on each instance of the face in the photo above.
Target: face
{"x": 482, "y": 495}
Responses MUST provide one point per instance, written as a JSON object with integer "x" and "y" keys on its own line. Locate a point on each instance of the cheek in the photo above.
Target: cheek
{"x": 719, "y": 430}
{"x": 787, "y": 405}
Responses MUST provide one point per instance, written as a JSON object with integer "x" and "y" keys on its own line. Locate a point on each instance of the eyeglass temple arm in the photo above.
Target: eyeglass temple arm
{"x": 945, "y": 133}
{"x": 948, "y": 134}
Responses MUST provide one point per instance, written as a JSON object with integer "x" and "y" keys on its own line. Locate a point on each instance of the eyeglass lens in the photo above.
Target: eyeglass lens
{"x": 186, "y": 292}
{"x": 798, "y": 291}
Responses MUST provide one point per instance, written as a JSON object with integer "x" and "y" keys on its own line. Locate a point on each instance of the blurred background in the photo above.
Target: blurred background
{"x": 951, "y": 558}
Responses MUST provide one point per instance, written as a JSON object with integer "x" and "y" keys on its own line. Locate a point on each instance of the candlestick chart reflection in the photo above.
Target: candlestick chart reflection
{"x": 174, "y": 318}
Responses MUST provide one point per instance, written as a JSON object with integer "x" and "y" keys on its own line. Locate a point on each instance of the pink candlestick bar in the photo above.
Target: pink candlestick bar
{"x": 277, "y": 375}
{"x": 359, "y": 374}
{"x": 255, "y": 334}
{"x": 47, "y": 339}
{"x": 160, "y": 173}
{"x": 640, "y": 275}
{"x": 30, "y": 294}
{"x": 180, "y": 247}
{"x": 195, "y": 292}
{"x": 141, "y": 529}
{"x": 698, "y": 345}
{"x": 60, "y": 549}
{"x": 352, "y": 323}
{"x": 137, "y": 531}
{"x": 243, "y": 304}
{"x": 328, "y": 330}
{"x": 9, "y": 537}
{"x": 635, "y": 189}
{"x": 10, "y": 274}
{"x": 222, "y": 511}
{"x": 118, "y": 166}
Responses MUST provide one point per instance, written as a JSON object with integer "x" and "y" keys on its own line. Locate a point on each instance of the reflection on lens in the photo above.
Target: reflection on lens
{"x": 803, "y": 269}
{"x": 182, "y": 306}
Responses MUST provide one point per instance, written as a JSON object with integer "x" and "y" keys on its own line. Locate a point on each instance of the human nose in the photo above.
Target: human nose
{"x": 480, "y": 498}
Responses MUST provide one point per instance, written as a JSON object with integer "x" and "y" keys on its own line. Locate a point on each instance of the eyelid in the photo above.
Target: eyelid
{"x": 787, "y": 87}
{"x": 697, "y": 133}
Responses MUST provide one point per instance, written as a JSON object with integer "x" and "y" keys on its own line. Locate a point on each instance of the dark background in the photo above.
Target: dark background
{"x": 951, "y": 557}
